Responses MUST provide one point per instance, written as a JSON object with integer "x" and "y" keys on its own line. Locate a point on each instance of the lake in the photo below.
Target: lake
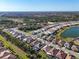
{"x": 72, "y": 32}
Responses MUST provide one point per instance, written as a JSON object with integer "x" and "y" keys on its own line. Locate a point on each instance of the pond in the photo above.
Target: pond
{"x": 72, "y": 32}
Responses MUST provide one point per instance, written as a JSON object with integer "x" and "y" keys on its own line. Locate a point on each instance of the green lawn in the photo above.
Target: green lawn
{"x": 43, "y": 55}
{"x": 67, "y": 39}
{"x": 29, "y": 32}
{"x": 17, "y": 51}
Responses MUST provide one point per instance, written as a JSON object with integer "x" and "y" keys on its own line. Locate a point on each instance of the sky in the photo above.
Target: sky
{"x": 39, "y": 5}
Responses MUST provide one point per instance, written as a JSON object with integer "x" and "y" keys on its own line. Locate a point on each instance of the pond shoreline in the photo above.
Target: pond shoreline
{"x": 60, "y": 31}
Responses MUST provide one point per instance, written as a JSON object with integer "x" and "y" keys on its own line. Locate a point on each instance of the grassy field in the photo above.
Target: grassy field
{"x": 21, "y": 54}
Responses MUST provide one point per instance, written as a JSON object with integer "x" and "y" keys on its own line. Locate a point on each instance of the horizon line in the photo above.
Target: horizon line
{"x": 39, "y": 11}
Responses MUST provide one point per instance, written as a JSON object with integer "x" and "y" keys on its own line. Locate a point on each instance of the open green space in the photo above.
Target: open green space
{"x": 21, "y": 54}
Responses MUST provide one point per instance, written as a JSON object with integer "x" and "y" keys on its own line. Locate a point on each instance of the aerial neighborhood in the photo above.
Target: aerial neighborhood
{"x": 44, "y": 39}
{"x": 39, "y": 29}
{"x": 39, "y": 35}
